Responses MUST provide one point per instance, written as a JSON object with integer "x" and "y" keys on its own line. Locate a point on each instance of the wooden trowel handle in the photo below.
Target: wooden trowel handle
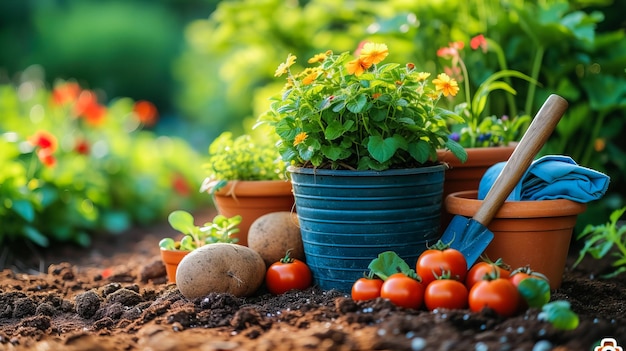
{"x": 533, "y": 140}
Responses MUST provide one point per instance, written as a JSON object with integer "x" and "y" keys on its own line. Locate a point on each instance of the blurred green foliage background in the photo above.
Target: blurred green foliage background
{"x": 208, "y": 65}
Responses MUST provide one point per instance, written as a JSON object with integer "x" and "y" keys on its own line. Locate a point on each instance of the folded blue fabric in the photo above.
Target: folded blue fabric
{"x": 551, "y": 177}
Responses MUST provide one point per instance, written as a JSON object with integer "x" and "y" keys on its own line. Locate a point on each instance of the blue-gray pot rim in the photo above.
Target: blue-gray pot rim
{"x": 368, "y": 173}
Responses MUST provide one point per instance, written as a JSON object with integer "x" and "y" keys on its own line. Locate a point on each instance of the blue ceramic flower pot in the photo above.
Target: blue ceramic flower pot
{"x": 348, "y": 217}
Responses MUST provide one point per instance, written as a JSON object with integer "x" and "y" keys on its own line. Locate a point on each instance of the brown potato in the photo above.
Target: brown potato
{"x": 271, "y": 235}
{"x": 222, "y": 268}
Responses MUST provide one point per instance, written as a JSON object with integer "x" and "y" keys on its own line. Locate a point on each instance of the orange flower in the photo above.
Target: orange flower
{"x": 446, "y": 85}
{"x": 65, "y": 93}
{"x": 46, "y": 157}
{"x": 374, "y": 53}
{"x": 283, "y": 68}
{"x": 358, "y": 66}
{"x": 310, "y": 74}
{"x": 87, "y": 106}
{"x": 44, "y": 139}
{"x": 146, "y": 112}
{"x": 479, "y": 41}
{"x": 300, "y": 138}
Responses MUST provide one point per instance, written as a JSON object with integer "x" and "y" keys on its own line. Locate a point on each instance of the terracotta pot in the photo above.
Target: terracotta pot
{"x": 172, "y": 258}
{"x": 251, "y": 200}
{"x": 466, "y": 176}
{"x": 534, "y": 233}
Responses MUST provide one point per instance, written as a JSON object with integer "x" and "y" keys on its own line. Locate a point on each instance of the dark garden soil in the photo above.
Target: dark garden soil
{"x": 114, "y": 296}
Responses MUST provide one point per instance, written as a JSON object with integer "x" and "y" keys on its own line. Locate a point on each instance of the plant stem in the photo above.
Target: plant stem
{"x": 503, "y": 66}
{"x": 536, "y": 68}
{"x": 594, "y": 134}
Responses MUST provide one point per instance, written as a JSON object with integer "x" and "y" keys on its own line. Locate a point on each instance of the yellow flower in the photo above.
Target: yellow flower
{"x": 284, "y": 67}
{"x": 300, "y": 138}
{"x": 374, "y": 53}
{"x": 358, "y": 66}
{"x": 318, "y": 58}
{"x": 422, "y": 76}
{"x": 446, "y": 85}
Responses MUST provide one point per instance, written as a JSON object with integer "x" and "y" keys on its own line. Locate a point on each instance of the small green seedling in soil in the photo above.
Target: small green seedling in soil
{"x": 536, "y": 292}
{"x": 603, "y": 239}
{"x": 220, "y": 230}
{"x": 388, "y": 263}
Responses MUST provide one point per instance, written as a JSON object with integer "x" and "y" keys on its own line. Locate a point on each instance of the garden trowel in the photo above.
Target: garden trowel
{"x": 471, "y": 235}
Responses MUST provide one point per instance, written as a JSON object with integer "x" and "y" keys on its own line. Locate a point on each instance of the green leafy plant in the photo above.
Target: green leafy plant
{"x": 242, "y": 158}
{"x": 604, "y": 239}
{"x": 478, "y": 130}
{"x": 73, "y": 165}
{"x": 358, "y": 113}
{"x": 220, "y": 230}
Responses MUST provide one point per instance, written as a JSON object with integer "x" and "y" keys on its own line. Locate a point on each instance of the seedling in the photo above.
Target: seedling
{"x": 606, "y": 239}
{"x": 220, "y": 230}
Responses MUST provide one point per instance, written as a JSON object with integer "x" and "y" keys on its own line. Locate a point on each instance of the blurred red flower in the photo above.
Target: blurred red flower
{"x": 87, "y": 106}
{"x": 44, "y": 140}
{"x": 65, "y": 93}
{"x": 146, "y": 112}
{"x": 180, "y": 185}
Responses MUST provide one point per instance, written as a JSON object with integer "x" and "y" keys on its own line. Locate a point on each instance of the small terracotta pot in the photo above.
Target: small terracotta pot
{"x": 533, "y": 233}
{"x": 466, "y": 176}
{"x": 251, "y": 200}
{"x": 172, "y": 258}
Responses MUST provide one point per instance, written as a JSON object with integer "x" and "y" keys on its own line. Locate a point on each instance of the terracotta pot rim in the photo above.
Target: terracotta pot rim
{"x": 465, "y": 203}
{"x": 478, "y": 156}
{"x": 256, "y": 188}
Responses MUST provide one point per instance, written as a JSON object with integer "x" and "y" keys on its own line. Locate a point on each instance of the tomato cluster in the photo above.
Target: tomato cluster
{"x": 442, "y": 280}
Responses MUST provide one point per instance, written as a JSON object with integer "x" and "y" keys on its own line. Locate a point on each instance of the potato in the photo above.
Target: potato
{"x": 271, "y": 235}
{"x": 222, "y": 268}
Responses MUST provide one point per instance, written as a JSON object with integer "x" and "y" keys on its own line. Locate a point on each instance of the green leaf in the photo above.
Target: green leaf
{"x": 182, "y": 221}
{"x": 457, "y": 150}
{"x": 388, "y": 263}
{"x": 167, "y": 244}
{"x": 560, "y": 315}
{"x": 357, "y": 105}
{"x": 420, "y": 151}
{"x": 383, "y": 149}
{"x": 35, "y": 236}
{"x": 334, "y": 152}
{"x": 25, "y": 209}
{"x": 334, "y": 130}
{"x": 535, "y": 291}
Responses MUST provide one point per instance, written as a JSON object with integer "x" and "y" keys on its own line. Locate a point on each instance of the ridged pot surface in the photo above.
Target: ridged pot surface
{"x": 347, "y": 218}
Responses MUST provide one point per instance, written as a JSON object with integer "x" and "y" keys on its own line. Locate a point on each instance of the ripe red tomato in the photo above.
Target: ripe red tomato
{"x": 403, "y": 291}
{"x": 288, "y": 274}
{"x": 498, "y": 294}
{"x": 439, "y": 261}
{"x": 366, "y": 289}
{"x": 525, "y": 272}
{"x": 445, "y": 293}
{"x": 480, "y": 269}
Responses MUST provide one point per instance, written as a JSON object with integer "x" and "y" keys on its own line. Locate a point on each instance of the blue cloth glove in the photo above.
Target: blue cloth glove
{"x": 551, "y": 177}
